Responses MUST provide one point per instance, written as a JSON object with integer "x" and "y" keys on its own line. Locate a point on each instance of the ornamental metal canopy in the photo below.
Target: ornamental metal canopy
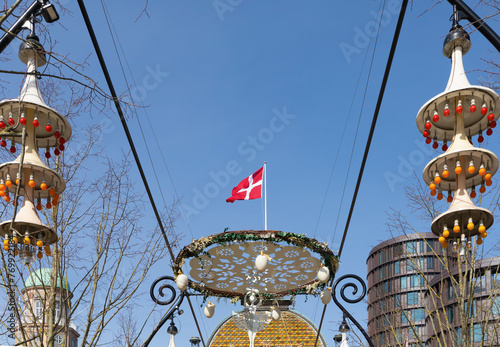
{"x": 224, "y": 264}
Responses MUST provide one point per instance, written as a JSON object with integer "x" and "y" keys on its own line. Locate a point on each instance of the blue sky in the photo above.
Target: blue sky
{"x": 228, "y": 87}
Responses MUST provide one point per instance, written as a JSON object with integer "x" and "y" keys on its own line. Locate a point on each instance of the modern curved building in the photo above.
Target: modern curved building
{"x": 398, "y": 271}
{"x": 292, "y": 330}
{"x": 448, "y": 303}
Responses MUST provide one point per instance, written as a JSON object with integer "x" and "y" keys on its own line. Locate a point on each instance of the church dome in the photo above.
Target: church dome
{"x": 292, "y": 330}
{"x": 41, "y": 278}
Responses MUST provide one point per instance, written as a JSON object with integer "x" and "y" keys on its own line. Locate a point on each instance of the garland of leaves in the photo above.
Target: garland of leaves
{"x": 199, "y": 247}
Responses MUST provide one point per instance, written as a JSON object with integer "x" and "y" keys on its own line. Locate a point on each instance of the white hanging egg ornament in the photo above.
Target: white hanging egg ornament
{"x": 324, "y": 274}
{"x": 261, "y": 261}
{"x": 275, "y": 313}
{"x": 182, "y": 281}
{"x": 209, "y": 310}
{"x": 326, "y": 296}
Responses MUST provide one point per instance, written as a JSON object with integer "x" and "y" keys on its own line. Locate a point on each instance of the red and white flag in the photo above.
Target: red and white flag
{"x": 249, "y": 188}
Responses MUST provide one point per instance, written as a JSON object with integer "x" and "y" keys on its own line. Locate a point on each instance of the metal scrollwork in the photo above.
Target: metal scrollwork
{"x": 171, "y": 298}
{"x": 355, "y": 300}
{"x": 171, "y": 288}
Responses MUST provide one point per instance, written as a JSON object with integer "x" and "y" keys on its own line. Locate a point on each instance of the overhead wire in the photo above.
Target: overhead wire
{"x": 112, "y": 30}
{"x": 107, "y": 76}
{"x": 385, "y": 78}
{"x": 381, "y": 11}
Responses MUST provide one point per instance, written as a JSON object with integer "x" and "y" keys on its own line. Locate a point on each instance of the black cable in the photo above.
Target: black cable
{"x": 375, "y": 117}
{"x": 370, "y": 135}
{"x": 123, "y": 121}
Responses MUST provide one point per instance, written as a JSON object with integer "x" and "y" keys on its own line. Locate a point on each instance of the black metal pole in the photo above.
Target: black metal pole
{"x": 478, "y": 23}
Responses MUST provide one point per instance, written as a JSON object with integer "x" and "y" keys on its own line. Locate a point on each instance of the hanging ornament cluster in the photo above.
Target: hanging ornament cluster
{"x": 45, "y": 128}
{"x": 458, "y": 114}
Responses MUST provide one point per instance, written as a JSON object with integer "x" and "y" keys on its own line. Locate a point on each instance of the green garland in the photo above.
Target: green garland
{"x": 199, "y": 247}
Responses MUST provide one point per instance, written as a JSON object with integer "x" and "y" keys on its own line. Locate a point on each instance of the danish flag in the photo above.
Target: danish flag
{"x": 249, "y": 188}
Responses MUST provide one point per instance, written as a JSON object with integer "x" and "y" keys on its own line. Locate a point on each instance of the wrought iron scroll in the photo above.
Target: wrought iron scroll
{"x": 354, "y": 287}
{"x": 168, "y": 301}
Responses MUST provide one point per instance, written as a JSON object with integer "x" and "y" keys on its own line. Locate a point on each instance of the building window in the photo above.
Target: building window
{"x": 381, "y": 256}
{"x": 398, "y": 250}
{"x": 450, "y": 290}
{"x": 449, "y": 314}
{"x": 416, "y": 281}
{"x": 430, "y": 262}
{"x": 396, "y": 267}
{"x": 412, "y": 298}
{"x": 397, "y": 300}
{"x": 495, "y": 306}
{"x": 58, "y": 339}
{"x": 430, "y": 246}
{"x": 57, "y": 310}
{"x": 470, "y": 310}
{"x": 73, "y": 342}
{"x": 418, "y": 315}
{"x": 38, "y": 308}
{"x": 478, "y": 333}
{"x": 480, "y": 284}
{"x": 403, "y": 282}
{"x": 459, "y": 336}
{"x": 411, "y": 247}
{"x": 381, "y": 273}
{"x": 404, "y": 316}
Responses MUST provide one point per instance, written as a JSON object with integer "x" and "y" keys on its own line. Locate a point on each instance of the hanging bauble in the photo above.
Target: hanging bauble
{"x": 275, "y": 313}
{"x": 261, "y": 261}
{"x": 182, "y": 281}
{"x": 209, "y": 310}
{"x": 324, "y": 274}
{"x": 326, "y": 296}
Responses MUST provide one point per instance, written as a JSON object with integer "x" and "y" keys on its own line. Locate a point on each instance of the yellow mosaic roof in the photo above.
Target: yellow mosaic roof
{"x": 292, "y": 330}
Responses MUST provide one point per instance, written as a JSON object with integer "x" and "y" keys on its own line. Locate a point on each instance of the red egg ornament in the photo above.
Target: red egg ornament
{"x": 428, "y": 125}
{"x": 445, "y": 147}
{"x": 47, "y": 155}
{"x": 435, "y": 118}
{"x": 491, "y": 117}
{"x": 480, "y": 139}
{"x": 56, "y": 152}
{"x": 446, "y": 111}
{"x": 489, "y": 132}
{"x": 426, "y": 133}
{"x": 3, "y": 143}
{"x": 13, "y": 149}
{"x": 61, "y": 147}
{"x": 48, "y": 128}
{"x": 62, "y": 141}
{"x": 459, "y": 108}
{"x": 484, "y": 110}
{"x": 428, "y": 140}
{"x": 2, "y": 124}
{"x": 493, "y": 124}
{"x": 435, "y": 145}
{"x": 473, "y": 107}
{"x": 11, "y": 121}
{"x": 22, "y": 120}
{"x": 57, "y": 134}
{"x": 36, "y": 123}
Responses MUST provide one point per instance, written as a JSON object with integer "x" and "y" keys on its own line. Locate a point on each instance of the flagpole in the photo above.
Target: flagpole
{"x": 265, "y": 196}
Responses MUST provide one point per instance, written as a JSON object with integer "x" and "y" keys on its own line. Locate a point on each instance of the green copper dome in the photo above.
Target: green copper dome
{"x": 41, "y": 278}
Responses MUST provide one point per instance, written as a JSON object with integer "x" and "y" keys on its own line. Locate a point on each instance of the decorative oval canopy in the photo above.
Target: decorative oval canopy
{"x": 224, "y": 264}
